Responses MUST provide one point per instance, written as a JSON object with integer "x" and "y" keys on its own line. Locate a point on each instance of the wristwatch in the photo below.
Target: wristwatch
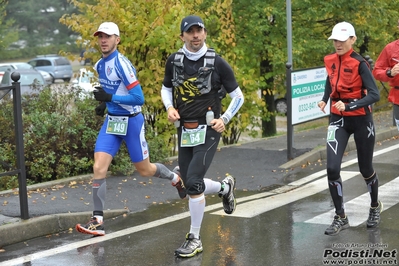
{"x": 388, "y": 72}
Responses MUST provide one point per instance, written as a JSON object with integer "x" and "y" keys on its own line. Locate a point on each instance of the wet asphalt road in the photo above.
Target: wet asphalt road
{"x": 284, "y": 226}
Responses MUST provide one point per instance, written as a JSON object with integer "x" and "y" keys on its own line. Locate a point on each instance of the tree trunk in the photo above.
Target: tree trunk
{"x": 268, "y": 119}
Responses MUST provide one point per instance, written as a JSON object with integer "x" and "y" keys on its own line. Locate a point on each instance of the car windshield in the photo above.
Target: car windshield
{"x": 5, "y": 68}
{"x": 29, "y": 79}
{"x": 23, "y": 66}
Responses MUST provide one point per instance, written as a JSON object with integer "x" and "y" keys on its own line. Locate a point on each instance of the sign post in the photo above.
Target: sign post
{"x": 307, "y": 89}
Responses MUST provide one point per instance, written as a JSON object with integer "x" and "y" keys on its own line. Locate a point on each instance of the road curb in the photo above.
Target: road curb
{"x": 24, "y": 230}
{"x": 49, "y": 184}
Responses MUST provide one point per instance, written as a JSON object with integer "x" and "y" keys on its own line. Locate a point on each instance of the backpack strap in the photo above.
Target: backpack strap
{"x": 178, "y": 68}
{"x": 209, "y": 59}
{"x": 204, "y": 80}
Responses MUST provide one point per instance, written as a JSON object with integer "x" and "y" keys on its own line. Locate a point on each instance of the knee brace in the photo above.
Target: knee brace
{"x": 195, "y": 186}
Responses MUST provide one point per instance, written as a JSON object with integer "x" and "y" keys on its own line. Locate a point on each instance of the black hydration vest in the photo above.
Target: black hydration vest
{"x": 204, "y": 77}
{"x": 203, "y": 80}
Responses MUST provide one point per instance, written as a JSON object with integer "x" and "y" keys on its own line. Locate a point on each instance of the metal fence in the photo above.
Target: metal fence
{"x": 19, "y": 144}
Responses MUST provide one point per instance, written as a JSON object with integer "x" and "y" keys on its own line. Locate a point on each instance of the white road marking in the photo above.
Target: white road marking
{"x": 263, "y": 204}
{"x": 258, "y": 197}
{"x": 257, "y": 207}
{"x": 72, "y": 246}
{"x": 358, "y": 208}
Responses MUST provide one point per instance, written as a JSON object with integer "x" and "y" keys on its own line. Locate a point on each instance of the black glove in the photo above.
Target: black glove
{"x": 100, "y": 109}
{"x": 101, "y": 95}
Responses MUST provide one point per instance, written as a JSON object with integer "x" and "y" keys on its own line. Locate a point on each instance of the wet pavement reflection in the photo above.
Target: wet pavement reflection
{"x": 280, "y": 236}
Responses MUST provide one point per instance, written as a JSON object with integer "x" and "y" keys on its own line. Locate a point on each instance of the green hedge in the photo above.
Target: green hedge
{"x": 60, "y": 130}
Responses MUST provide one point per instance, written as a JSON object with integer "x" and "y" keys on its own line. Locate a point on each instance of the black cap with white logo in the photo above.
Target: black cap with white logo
{"x": 189, "y": 21}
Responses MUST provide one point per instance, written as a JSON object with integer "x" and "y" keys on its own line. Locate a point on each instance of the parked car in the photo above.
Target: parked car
{"x": 86, "y": 80}
{"x": 57, "y": 66}
{"x": 31, "y": 81}
{"x": 22, "y": 65}
{"x": 1, "y": 74}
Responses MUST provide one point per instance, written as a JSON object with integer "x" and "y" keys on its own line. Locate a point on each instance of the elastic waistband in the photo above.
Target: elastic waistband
{"x": 201, "y": 120}
{"x": 344, "y": 100}
{"x": 131, "y": 115}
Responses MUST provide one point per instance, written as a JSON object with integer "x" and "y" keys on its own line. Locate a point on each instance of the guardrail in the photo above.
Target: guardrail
{"x": 19, "y": 143}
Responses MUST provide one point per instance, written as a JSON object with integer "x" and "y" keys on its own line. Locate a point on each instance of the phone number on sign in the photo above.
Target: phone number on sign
{"x": 307, "y": 106}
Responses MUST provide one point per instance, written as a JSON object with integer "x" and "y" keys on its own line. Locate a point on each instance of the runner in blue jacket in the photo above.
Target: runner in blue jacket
{"x": 120, "y": 92}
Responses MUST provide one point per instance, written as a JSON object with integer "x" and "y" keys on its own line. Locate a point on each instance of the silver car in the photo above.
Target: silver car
{"x": 57, "y": 66}
{"x": 31, "y": 81}
{"x": 22, "y": 65}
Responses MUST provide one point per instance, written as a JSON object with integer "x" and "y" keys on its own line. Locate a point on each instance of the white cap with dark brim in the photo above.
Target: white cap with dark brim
{"x": 109, "y": 28}
{"x": 342, "y": 31}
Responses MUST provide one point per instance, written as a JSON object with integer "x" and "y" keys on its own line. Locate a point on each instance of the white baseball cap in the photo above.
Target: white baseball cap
{"x": 108, "y": 28}
{"x": 342, "y": 31}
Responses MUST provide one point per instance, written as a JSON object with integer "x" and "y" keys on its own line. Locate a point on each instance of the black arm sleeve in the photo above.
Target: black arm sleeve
{"x": 373, "y": 94}
{"x": 327, "y": 91}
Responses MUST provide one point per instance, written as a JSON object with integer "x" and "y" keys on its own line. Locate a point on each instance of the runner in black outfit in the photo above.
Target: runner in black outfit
{"x": 189, "y": 91}
{"x": 352, "y": 90}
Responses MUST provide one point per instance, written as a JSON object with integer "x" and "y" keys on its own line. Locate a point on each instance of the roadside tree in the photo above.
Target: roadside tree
{"x": 7, "y": 34}
{"x": 150, "y": 33}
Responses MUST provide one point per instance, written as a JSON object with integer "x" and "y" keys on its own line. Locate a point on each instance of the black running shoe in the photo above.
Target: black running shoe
{"x": 190, "y": 247}
{"x": 337, "y": 225}
{"x": 229, "y": 200}
{"x": 93, "y": 227}
{"x": 374, "y": 215}
{"x": 179, "y": 184}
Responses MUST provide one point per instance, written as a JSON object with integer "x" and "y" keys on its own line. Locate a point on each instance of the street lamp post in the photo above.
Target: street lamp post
{"x": 289, "y": 67}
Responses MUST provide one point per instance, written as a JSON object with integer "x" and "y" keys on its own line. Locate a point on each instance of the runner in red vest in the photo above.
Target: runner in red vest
{"x": 386, "y": 69}
{"x": 352, "y": 90}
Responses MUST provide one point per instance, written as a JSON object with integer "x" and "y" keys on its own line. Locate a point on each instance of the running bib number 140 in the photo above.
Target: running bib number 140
{"x": 117, "y": 125}
{"x": 193, "y": 137}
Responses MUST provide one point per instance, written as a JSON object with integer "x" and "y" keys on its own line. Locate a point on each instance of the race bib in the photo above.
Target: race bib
{"x": 331, "y": 133}
{"x": 193, "y": 137}
{"x": 117, "y": 125}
